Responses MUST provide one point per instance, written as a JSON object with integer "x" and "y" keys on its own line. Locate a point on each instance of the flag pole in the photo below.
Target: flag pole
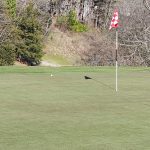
{"x": 116, "y": 60}
{"x": 114, "y": 24}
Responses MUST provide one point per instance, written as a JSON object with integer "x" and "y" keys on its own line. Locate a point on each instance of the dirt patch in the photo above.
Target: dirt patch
{"x": 46, "y": 63}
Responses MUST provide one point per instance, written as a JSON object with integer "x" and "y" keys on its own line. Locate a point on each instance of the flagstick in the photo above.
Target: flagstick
{"x": 116, "y": 60}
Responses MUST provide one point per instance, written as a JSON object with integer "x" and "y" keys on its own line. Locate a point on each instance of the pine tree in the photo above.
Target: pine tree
{"x": 29, "y": 50}
{"x": 11, "y": 6}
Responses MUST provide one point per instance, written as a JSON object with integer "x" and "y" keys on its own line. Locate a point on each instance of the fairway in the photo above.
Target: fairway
{"x": 66, "y": 112}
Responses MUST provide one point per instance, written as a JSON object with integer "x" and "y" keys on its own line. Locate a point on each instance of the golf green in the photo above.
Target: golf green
{"x": 67, "y": 112}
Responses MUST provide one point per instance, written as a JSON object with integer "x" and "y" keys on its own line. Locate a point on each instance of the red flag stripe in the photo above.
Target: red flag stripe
{"x": 115, "y": 20}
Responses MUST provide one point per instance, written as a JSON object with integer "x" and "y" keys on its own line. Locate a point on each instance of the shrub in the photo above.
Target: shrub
{"x": 11, "y": 6}
{"x": 7, "y": 54}
{"x": 79, "y": 27}
{"x": 70, "y": 22}
{"x": 74, "y": 24}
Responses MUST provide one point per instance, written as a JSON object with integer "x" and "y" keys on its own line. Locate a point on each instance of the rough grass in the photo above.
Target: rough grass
{"x": 56, "y": 59}
{"x": 73, "y": 47}
{"x": 67, "y": 112}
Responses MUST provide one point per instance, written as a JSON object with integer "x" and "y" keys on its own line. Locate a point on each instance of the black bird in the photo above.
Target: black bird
{"x": 86, "y": 77}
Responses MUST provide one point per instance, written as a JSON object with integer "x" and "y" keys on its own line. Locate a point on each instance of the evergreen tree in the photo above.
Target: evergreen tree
{"x": 7, "y": 54}
{"x": 29, "y": 50}
{"x": 11, "y": 5}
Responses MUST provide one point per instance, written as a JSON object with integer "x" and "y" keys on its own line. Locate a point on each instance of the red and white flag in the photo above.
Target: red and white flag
{"x": 115, "y": 20}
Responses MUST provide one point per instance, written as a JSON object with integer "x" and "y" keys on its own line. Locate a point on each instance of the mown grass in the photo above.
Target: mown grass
{"x": 67, "y": 112}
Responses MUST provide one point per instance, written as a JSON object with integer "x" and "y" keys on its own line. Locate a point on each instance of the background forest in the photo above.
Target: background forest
{"x": 75, "y": 30}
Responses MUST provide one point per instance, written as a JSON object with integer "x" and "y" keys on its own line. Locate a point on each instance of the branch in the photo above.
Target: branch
{"x": 146, "y": 4}
{"x": 128, "y": 45}
{"x": 2, "y": 31}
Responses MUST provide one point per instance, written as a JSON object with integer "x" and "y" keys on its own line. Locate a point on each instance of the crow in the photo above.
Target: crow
{"x": 86, "y": 77}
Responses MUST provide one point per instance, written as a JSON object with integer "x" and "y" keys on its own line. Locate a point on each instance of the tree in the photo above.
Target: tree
{"x": 146, "y": 4}
{"x": 7, "y": 37}
{"x": 29, "y": 50}
{"x": 134, "y": 33}
{"x": 11, "y": 5}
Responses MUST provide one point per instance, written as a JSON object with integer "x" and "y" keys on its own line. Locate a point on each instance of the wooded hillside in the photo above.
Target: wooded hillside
{"x": 26, "y": 26}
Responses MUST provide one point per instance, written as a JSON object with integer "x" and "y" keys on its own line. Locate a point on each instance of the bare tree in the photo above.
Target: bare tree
{"x": 146, "y": 4}
{"x": 135, "y": 34}
{"x": 5, "y": 23}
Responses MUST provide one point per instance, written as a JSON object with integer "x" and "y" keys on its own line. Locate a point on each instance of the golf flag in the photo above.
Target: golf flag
{"x": 115, "y": 20}
{"x": 114, "y": 24}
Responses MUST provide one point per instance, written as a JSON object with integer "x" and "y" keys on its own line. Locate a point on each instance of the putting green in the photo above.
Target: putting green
{"x": 66, "y": 112}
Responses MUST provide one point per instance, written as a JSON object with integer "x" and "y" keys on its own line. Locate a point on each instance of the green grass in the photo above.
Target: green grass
{"x": 66, "y": 112}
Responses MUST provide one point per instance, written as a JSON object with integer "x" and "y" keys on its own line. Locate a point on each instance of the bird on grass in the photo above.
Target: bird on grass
{"x": 86, "y": 77}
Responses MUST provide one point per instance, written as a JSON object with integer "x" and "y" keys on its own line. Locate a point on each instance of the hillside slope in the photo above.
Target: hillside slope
{"x": 68, "y": 48}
